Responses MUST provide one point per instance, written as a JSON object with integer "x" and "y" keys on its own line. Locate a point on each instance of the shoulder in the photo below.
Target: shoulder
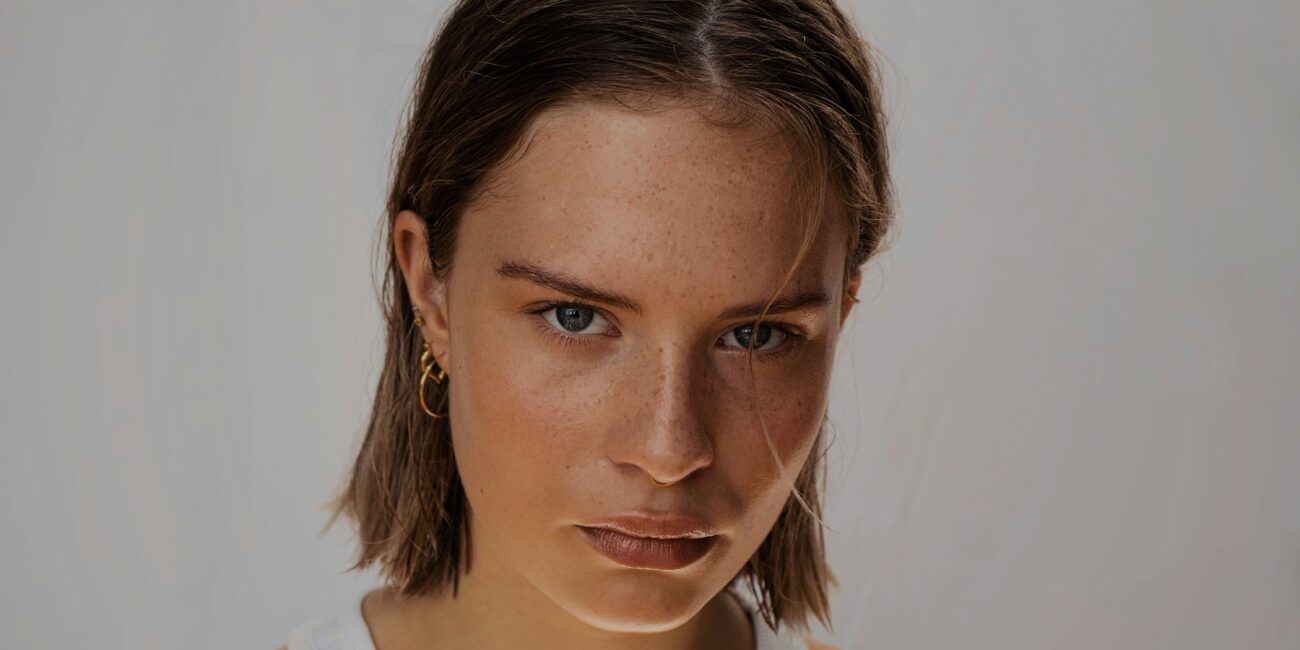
{"x": 283, "y": 647}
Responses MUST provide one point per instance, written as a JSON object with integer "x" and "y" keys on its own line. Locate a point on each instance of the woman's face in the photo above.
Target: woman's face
{"x": 660, "y": 237}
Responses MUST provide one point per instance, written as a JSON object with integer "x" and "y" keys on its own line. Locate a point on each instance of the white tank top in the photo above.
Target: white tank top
{"x": 346, "y": 630}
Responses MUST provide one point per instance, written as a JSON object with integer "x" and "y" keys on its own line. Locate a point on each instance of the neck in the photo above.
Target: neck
{"x": 496, "y": 609}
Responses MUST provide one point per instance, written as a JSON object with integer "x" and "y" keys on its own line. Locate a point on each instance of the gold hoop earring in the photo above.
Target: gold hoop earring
{"x": 426, "y": 371}
{"x": 852, "y": 297}
{"x": 652, "y": 480}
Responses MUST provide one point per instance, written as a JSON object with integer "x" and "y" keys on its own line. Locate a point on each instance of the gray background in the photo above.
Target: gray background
{"x": 1066, "y": 412}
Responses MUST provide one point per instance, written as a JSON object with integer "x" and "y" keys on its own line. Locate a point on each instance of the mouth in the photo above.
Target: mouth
{"x": 666, "y": 553}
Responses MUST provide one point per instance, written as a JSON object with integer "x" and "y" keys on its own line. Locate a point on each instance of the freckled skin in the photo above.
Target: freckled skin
{"x": 687, "y": 219}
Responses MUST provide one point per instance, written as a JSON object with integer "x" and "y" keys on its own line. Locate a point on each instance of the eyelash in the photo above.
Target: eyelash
{"x": 793, "y": 337}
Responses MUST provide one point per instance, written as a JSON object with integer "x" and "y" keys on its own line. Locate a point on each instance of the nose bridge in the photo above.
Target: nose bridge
{"x": 667, "y": 438}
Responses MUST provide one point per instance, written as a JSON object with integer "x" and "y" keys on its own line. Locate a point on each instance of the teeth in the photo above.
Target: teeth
{"x": 687, "y": 537}
{"x": 681, "y": 537}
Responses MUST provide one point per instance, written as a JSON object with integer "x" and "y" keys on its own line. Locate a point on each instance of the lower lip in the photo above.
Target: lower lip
{"x": 645, "y": 552}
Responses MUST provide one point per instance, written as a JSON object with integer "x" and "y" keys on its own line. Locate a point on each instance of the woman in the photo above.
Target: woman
{"x": 623, "y": 238}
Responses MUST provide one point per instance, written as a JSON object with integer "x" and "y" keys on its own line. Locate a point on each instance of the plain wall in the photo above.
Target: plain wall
{"x": 1066, "y": 414}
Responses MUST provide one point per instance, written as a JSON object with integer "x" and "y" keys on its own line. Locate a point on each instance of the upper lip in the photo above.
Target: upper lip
{"x": 655, "y": 525}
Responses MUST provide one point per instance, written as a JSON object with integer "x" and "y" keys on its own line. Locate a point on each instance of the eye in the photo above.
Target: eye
{"x": 567, "y": 322}
{"x": 572, "y": 318}
{"x": 786, "y": 339}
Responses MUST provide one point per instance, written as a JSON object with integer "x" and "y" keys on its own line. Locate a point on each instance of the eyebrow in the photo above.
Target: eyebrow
{"x": 565, "y": 284}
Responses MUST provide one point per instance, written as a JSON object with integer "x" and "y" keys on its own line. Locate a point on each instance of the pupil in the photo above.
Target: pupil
{"x": 574, "y": 318}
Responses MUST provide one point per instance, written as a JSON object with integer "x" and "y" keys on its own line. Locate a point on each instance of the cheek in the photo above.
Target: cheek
{"x": 791, "y": 400}
{"x": 518, "y": 425}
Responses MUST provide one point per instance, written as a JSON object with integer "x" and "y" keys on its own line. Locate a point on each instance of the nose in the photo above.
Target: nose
{"x": 665, "y": 435}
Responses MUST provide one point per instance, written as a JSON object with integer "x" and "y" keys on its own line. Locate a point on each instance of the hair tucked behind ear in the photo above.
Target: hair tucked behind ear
{"x": 797, "y": 66}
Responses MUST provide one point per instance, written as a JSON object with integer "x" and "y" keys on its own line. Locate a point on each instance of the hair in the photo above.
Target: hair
{"x": 798, "y": 66}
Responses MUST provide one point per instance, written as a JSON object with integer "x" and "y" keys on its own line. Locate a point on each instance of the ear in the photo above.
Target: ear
{"x": 427, "y": 290}
{"x": 855, "y": 280}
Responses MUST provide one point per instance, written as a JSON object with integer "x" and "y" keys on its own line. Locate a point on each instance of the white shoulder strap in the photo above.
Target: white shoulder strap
{"x": 344, "y": 631}
{"x": 766, "y": 638}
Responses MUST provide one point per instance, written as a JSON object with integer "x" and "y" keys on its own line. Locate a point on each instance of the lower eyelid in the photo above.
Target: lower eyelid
{"x": 563, "y": 339}
{"x": 788, "y": 346}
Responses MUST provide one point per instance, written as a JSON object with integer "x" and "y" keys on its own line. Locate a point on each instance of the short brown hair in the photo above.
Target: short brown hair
{"x": 798, "y": 65}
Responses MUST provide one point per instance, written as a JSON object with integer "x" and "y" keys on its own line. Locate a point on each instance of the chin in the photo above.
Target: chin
{"x": 642, "y": 614}
{"x": 633, "y": 601}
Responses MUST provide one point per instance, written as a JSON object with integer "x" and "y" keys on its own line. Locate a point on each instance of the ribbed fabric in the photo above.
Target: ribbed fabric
{"x": 346, "y": 630}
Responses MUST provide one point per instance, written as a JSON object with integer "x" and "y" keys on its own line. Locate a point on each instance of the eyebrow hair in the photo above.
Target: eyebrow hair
{"x": 565, "y": 284}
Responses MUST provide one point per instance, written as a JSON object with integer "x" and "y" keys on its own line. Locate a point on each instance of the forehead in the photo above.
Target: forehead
{"x": 641, "y": 197}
